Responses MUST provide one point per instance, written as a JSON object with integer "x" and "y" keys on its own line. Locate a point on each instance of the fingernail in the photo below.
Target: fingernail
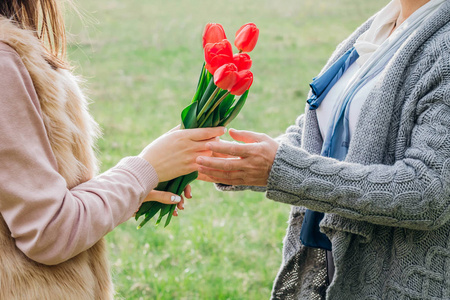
{"x": 200, "y": 159}
{"x": 224, "y": 130}
{"x": 190, "y": 194}
{"x": 182, "y": 206}
{"x": 175, "y": 199}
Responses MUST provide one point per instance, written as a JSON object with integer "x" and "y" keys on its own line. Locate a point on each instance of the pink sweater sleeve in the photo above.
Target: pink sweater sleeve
{"x": 50, "y": 223}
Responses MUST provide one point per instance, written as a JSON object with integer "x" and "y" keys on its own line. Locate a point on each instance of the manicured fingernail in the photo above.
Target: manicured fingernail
{"x": 224, "y": 130}
{"x": 190, "y": 194}
{"x": 175, "y": 199}
{"x": 200, "y": 159}
{"x": 182, "y": 206}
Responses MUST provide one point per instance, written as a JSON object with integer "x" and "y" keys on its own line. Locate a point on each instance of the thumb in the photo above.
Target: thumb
{"x": 162, "y": 197}
{"x": 246, "y": 136}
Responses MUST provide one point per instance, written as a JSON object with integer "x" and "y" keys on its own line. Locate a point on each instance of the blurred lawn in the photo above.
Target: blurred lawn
{"x": 141, "y": 59}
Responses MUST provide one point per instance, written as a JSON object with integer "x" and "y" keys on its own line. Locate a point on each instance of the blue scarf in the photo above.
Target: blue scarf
{"x": 310, "y": 234}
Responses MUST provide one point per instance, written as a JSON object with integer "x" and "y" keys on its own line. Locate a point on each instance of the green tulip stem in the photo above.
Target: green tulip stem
{"x": 214, "y": 107}
{"x": 208, "y": 102}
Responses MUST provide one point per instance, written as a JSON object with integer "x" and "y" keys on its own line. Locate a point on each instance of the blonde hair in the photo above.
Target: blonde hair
{"x": 45, "y": 18}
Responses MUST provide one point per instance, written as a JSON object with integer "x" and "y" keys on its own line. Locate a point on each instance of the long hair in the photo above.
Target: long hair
{"x": 44, "y": 17}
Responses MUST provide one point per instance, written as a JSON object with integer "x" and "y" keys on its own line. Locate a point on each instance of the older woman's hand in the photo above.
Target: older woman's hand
{"x": 239, "y": 164}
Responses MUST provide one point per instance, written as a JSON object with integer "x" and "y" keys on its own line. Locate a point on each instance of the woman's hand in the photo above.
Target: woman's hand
{"x": 170, "y": 198}
{"x": 246, "y": 164}
{"x": 174, "y": 153}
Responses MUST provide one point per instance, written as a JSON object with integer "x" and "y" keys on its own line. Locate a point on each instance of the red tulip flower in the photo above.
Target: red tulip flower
{"x": 218, "y": 54}
{"x": 243, "y": 82}
{"x": 242, "y": 61}
{"x": 246, "y": 37}
{"x": 213, "y": 33}
{"x": 226, "y": 76}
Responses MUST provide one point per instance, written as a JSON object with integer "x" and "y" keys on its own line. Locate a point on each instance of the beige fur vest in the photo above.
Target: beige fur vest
{"x": 72, "y": 133}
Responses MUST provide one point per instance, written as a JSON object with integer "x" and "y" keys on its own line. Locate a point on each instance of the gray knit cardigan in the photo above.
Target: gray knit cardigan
{"x": 387, "y": 207}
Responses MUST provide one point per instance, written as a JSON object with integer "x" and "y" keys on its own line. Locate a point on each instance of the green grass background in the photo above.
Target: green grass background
{"x": 141, "y": 60}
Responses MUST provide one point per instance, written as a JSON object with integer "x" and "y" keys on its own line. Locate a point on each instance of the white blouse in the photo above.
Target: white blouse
{"x": 366, "y": 45}
{"x": 380, "y": 32}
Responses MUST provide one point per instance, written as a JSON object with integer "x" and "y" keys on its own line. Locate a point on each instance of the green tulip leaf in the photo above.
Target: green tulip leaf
{"x": 151, "y": 213}
{"x": 209, "y": 76}
{"x": 216, "y": 117}
{"x": 208, "y": 122}
{"x": 162, "y": 186}
{"x": 235, "y": 110}
{"x": 200, "y": 84}
{"x": 174, "y": 184}
{"x": 208, "y": 92}
{"x": 186, "y": 180}
{"x": 169, "y": 216}
{"x": 225, "y": 105}
{"x": 146, "y": 206}
{"x": 164, "y": 211}
{"x": 189, "y": 116}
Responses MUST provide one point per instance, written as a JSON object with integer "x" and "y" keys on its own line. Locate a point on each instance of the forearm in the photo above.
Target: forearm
{"x": 407, "y": 194}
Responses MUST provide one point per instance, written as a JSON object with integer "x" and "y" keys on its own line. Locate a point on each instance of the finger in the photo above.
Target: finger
{"x": 214, "y": 173}
{"x": 201, "y": 134}
{"x": 175, "y": 212}
{"x": 224, "y": 164}
{"x": 188, "y": 191}
{"x": 180, "y": 205}
{"x": 204, "y": 177}
{"x": 163, "y": 197}
{"x": 246, "y": 136}
{"x": 204, "y": 153}
{"x": 230, "y": 148}
{"x": 215, "y": 154}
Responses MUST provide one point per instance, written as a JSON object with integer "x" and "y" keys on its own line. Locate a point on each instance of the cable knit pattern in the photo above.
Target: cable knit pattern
{"x": 387, "y": 205}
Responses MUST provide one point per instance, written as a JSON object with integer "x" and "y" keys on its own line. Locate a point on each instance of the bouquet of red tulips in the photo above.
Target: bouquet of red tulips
{"x": 223, "y": 77}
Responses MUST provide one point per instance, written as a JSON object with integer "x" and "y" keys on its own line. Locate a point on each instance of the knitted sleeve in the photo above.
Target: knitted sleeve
{"x": 414, "y": 192}
{"x": 293, "y": 135}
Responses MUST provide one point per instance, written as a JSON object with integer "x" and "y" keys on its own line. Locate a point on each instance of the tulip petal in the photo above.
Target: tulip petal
{"x": 243, "y": 82}
{"x": 246, "y": 37}
{"x": 213, "y": 33}
{"x": 225, "y": 77}
{"x": 242, "y": 61}
{"x": 223, "y": 50}
{"x": 218, "y": 61}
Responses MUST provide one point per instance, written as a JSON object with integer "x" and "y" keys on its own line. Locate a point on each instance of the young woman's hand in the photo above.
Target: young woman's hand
{"x": 170, "y": 198}
{"x": 174, "y": 153}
